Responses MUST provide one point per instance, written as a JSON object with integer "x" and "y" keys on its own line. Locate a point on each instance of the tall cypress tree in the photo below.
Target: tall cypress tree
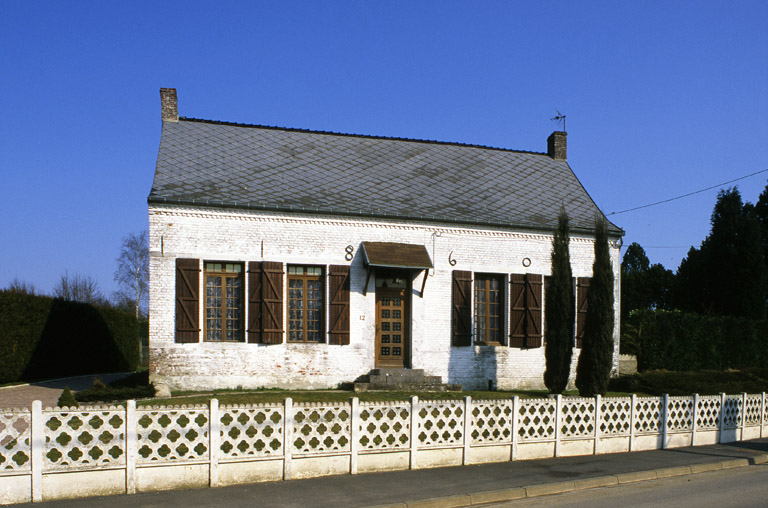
{"x": 559, "y": 311}
{"x": 594, "y": 369}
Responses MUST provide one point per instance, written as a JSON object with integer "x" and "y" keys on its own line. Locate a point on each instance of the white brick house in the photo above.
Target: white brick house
{"x": 293, "y": 258}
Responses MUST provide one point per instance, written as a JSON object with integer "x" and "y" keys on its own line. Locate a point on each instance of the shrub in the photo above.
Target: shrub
{"x": 135, "y": 386}
{"x": 66, "y": 399}
{"x": 44, "y": 337}
{"x": 682, "y": 341}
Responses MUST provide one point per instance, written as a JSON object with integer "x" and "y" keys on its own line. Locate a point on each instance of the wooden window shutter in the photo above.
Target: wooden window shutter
{"x": 533, "y": 293}
{"x": 255, "y": 302}
{"x": 338, "y": 285}
{"x": 272, "y": 302}
{"x": 582, "y": 293}
{"x": 462, "y": 308}
{"x": 517, "y": 314}
{"x": 187, "y": 300}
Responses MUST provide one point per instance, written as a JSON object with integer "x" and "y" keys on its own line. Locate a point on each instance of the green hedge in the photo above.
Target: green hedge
{"x": 674, "y": 340}
{"x": 43, "y": 337}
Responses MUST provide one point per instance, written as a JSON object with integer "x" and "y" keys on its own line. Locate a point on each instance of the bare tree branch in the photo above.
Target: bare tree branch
{"x": 132, "y": 274}
{"x": 78, "y": 288}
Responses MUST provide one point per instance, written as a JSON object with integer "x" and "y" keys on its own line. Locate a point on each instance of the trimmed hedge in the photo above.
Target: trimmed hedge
{"x": 43, "y": 337}
{"x": 683, "y": 341}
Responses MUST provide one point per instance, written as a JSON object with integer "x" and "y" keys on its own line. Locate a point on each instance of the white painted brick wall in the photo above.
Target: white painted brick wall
{"x": 210, "y": 234}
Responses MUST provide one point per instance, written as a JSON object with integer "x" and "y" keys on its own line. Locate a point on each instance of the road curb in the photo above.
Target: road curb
{"x": 547, "y": 489}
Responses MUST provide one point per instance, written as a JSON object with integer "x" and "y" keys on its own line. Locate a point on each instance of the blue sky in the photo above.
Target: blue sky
{"x": 661, "y": 98}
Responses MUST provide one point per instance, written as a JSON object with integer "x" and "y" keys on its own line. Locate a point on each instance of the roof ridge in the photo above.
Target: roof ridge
{"x": 350, "y": 135}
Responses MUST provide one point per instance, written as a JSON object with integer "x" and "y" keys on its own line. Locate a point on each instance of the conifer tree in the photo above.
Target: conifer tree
{"x": 559, "y": 311}
{"x": 594, "y": 368}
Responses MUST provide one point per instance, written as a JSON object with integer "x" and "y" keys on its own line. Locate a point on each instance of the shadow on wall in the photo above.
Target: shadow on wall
{"x": 78, "y": 338}
{"x": 473, "y": 367}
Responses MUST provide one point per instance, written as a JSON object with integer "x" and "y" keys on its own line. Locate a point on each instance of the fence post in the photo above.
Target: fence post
{"x": 214, "y": 436}
{"x": 665, "y": 420}
{"x": 287, "y": 437}
{"x": 354, "y": 435}
{"x": 414, "y": 429}
{"x": 743, "y": 414}
{"x": 37, "y": 443}
{"x": 762, "y": 414}
{"x": 467, "y": 430}
{"x": 558, "y": 415}
{"x": 131, "y": 446}
{"x": 515, "y": 411}
{"x": 598, "y": 402}
{"x": 632, "y": 423}
{"x": 721, "y": 423}
{"x": 695, "y": 418}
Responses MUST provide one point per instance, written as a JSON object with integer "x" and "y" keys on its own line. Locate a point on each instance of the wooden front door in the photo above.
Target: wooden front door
{"x": 392, "y": 327}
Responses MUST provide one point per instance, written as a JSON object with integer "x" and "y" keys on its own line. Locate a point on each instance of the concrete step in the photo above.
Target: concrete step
{"x": 407, "y": 387}
{"x": 382, "y": 376}
{"x": 412, "y": 380}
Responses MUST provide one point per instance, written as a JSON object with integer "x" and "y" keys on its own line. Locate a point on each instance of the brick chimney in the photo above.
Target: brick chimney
{"x": 557, "y": 146}
{"x": 169, "y": 105}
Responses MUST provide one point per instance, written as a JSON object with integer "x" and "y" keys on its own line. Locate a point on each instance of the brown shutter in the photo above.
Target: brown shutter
{"x": 255, "y": 302}
{"x": 547, "y": 287}
{"x": 187, "y": 300}
{"x": 517, "y": 310}
{"x": 582, "y": 292}
{"x": 533, "y": 288}
{"x": 462, "y": 308}
{"x": 272, "y": 302}
{"x": 338, "y": 285}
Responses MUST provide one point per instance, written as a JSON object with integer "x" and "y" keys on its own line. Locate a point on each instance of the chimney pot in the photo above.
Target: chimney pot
{"x": 169, "y": 105}
{"x": 557, "y": 146}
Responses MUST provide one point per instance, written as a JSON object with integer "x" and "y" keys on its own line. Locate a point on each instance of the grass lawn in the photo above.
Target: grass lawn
{"x": 652, "y": 383}
{"x": 277, "y": 396}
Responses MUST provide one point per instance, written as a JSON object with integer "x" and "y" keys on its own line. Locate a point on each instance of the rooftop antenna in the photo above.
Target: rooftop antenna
{"x": 559, "y": 118}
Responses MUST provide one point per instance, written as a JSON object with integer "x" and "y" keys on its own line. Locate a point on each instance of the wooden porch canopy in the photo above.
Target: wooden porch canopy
{"x": 395, "y": 255}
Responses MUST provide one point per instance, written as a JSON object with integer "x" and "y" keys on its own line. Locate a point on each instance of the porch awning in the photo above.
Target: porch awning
{"x": 396, "y": 255}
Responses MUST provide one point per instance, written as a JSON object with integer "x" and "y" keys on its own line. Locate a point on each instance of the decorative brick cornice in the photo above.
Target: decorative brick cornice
{"x": 324, "y": 220}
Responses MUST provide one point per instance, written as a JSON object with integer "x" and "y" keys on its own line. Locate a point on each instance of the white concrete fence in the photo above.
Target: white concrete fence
{"x": 56, "y": 453}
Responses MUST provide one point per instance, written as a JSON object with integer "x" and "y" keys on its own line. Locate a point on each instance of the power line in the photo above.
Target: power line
{"x": 690, "y": 193}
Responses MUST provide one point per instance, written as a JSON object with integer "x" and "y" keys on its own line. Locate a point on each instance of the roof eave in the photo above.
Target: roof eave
{"x": 155, "y": 200}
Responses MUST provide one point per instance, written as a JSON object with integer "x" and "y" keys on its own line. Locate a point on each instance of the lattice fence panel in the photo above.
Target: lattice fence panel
{"x": 83, "y": 438}
{"x": 537, "y": 419}
{"x": 385, "y": 425}
{"x": 578, "y": 419}
{"x": 732, "y": 410}
{"x": 615, "y": 416}
{"x": 765, "y": 411}
{"x": 752, "y": 410}
{"x": 15, "y": 453}
{"x": 251, "y": 431}
{"x": 440, "y": 423}
{"x": 319, "y": 428}
{"x": 492, "y": 421}
{"x": 648, "y": 414}
{"x": 679, "y": 414}
{"x": 708, "y": 413}
{"x": 178, "y": 434}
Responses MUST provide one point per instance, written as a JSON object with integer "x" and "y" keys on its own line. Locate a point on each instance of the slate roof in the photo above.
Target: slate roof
{"x": 206, "y": 163}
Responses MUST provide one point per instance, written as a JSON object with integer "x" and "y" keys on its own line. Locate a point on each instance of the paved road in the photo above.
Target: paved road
{"x": 744, "y": 487}
{"x": 49, "y": 391}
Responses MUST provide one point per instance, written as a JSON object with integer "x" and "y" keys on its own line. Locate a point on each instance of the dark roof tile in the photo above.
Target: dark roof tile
{"x": 270, "y": 168}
